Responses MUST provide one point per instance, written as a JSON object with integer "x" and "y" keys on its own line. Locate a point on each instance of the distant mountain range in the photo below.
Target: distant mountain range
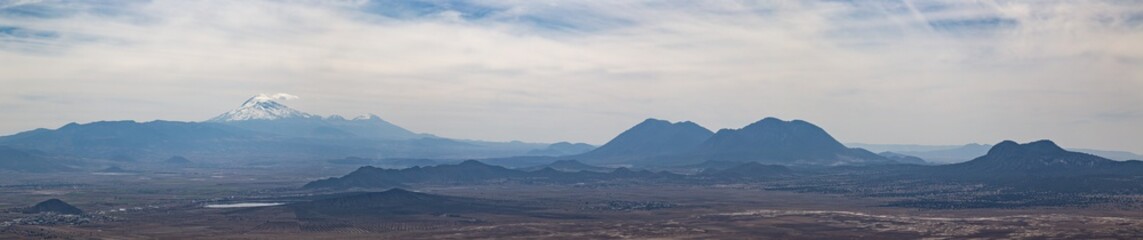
{"x": 261, "y": 129}
{"x": 12, "y": 159}
{"x": 1039, "y": 166}
{"x": 569, "y": 166}
{"x": 1035, "y": 166}
{"x": 221, "y": 142}
{"x": 773, "y": 141}
{"x": 562, "y": 149}
{"x": 944, "y": 154}
{"x": 902, "y": 158}
{"x": 1039, "y": 158}
{"x": 566, "y": 171}
{"x": 471, "y": 171}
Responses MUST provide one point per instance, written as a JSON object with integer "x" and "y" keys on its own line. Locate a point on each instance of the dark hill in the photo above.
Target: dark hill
{"x": 649, "y": 139}
{"x": 1042, "y": 166}
{"x": 371, "y": 177}
{"x": 470, "y": 171}
{"x": 774, "y": 141}
{"x": 54, "y": 206}
{"x": 1042, "y": 158}
{"x": 967, "y": 152}
{"x": 569, "y": 166}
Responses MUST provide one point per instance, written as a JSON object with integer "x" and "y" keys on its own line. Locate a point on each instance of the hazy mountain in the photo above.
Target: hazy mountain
{"x": 1110, "y": 154}
{"x": 562, "y": 149}
{"x": 1043, "y": 166}
{"x": 775, "y": 141}
{"x": 899, "y": 148}
{"x": 902, "y": 158}
{"x": 117, "y": 140}
{"x": 962, "y": 153}
{"x": 260, "y": 129}
{"x": 54, "y": 206}
{"x": 952, "y": 155}
{"x": 178, "y": 160}
{"x": 384, "y": 163}
{"x": 649, "y": 139}
{"x": 1040, "y": 158}
{"x": 12, "y": 159}
{"x": 225, "y": 142}
{"x": 371, "y": 127}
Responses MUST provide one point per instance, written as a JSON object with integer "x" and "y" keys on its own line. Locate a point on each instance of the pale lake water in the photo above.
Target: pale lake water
{"x": 242, "y": 205}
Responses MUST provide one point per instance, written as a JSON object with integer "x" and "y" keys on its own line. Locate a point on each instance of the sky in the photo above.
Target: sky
{"x": 918, "y": 72}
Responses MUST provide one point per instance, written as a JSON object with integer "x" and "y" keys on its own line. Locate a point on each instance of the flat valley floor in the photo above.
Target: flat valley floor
{"x": 171, "y": 206}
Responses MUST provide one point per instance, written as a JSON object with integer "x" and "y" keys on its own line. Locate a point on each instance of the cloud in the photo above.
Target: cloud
{"x": 278, "y": 96}
{"x": 944, "y": 72}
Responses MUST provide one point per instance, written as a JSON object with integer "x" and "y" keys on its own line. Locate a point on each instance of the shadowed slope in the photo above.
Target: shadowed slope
{"x": 774, "y": 141}
{"x": 648, "y": 139}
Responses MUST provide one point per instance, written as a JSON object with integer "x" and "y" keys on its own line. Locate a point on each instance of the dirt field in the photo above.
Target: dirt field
{"x": 156, "y": 206}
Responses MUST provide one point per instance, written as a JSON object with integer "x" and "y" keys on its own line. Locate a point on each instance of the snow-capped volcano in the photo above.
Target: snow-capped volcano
{"x": 299, "y": 124}
{"x": 263, "y": 107}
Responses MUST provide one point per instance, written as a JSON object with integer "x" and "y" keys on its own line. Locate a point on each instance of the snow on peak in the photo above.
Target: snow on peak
{"x": 263, "y": 107}
{"x": 366, "y": 117}
{"x": 268, "y": 98}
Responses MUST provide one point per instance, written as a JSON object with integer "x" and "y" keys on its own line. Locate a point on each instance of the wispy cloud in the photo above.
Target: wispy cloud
{"x": 875, "y": 71}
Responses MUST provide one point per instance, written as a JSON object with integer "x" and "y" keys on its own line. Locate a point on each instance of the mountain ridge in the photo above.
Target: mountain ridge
{"x": 648, "y": 139}
{"x": 775, "y": 141}
{"x": 947, "y": 154}
{"x": 280, "y": 134}
{"x": 467, "y": 172}
{"x": 1041, "y": 159}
